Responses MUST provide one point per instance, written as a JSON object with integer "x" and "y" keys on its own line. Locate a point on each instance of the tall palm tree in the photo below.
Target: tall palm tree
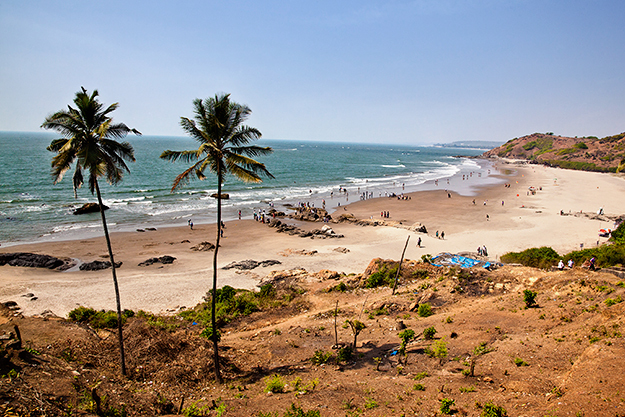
{"x": 224, "y": 149}
{"x": 89, "y": 140}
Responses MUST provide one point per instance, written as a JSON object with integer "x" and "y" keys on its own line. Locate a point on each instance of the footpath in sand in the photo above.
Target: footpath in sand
{"x": 516, "y": 220}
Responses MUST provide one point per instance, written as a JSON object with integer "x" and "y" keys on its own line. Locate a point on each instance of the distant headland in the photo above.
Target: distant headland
{"x": 587, "y": 153}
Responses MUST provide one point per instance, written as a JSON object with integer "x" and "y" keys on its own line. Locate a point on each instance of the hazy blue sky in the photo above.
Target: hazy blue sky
{"x": 414, "y": 72}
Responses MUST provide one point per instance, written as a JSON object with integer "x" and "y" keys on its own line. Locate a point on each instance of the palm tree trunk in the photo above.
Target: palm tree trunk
{"x": 119, "y": 305}
{"x": 214, "y": 297}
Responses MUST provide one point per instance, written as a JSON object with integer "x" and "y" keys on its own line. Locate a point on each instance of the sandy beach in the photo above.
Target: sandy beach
{"x": 516, "y": 220}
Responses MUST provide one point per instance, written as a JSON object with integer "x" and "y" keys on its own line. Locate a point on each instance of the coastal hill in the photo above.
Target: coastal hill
{"x": 586, "y": 153}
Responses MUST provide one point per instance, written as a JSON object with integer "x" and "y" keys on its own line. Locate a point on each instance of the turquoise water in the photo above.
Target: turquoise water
{"x": 32, "y": 208}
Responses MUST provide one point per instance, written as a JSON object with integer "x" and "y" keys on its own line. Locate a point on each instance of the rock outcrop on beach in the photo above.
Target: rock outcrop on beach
{"x": 251, "y": 264}
{"x": 89, "y": 208}
{"x": 323, "y": 233}
{"x": 31, "y": 260}
{"x": 203, "y": 247}
{"x": 97, "y": 265}
{"x": 310, "y": 214}
{"x": 166, "y": 259}
{"x": 587, "y": 153}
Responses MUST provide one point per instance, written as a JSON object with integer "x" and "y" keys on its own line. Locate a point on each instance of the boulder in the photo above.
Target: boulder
{"x": 251, "y": 264}
{"x": 203, "y": 247}
{"x": 223, "y": 196}
{"x": 97, "y": 265}
{"x": 166, "y": 259}
{"x": 89, "y": 208}
{"x": 31, "y": 260}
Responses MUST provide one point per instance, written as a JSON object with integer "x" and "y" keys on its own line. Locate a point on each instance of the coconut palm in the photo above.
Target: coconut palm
{"x": 224, "y": 149}
{"x": 89, "y": 140}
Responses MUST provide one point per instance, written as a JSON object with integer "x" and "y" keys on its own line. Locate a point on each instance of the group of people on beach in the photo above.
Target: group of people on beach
{"x": 385, "y": 214}
{"x": 481, "y": 250}
{"x": 261, "y": 216}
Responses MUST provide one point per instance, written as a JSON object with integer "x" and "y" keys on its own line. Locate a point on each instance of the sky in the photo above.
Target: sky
{"x": 406, "y": 72}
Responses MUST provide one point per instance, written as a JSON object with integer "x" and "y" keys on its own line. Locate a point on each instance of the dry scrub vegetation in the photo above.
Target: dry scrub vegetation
{"x": 450, "y": 341}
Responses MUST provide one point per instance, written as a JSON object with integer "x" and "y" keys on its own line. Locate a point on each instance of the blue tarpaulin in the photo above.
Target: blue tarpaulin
{"x": 447, "y": 259}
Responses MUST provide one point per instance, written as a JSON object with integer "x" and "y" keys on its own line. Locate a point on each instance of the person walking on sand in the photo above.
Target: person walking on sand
{"x": 437, "y": 234}
{"x": 487, "y": 217}
{"x": 443, "y": 235}
{"x": 419, "y": 242}
{"x": 190, "y": 224}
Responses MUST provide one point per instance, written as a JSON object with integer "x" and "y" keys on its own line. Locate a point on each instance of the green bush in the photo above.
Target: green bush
{"x": 618, "y": 234}
{"x": 605, "y": 255}
{"x": 275, "y": 384}
{"x": 581, "y": 166}
{"x": 425, "y": 310}
{"x": 492, "y": 410}
{"x": 320, "y": 357}
{"x": 98, "y": 319}
{"x": 543, "y": 257}
{"x": 429, "y": 333}
{"x": 382, "y": 277}
{"x": 437, "y": 350}
{"x": 446, "y": 404}
{"x": 267, "y": 291}
{"x": 406, "y": 336}
{"x": 296, "y": 411}
{"x": 81, "y": 314}
{"x": 529, "y": 297}
{"x": 344, "y": 354}
{"x": 231, "y": 304}
{"x": 581, "y": 145}
{"x": 520, "y": 362}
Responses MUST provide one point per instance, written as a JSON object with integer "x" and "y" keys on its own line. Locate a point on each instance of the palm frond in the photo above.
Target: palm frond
{"x": 185, "y": 156}
{"x": 252, "y": 150}
{"x": 184, "y": 177}
{"x": 242, "y": 173}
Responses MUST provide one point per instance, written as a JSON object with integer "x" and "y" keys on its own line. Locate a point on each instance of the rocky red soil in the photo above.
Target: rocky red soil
{"x": 562, "y": 358}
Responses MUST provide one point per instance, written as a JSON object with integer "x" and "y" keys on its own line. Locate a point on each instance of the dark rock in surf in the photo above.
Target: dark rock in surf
{"x": 89, "y": 208}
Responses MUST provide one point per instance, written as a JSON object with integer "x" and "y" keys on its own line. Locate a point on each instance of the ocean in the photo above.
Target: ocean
{"x": 34, "y": 209}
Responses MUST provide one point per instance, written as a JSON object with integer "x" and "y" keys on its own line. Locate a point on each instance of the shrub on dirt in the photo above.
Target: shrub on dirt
{"x": 98, "y": 319}
{"x": 320, "y": 357}
{"x": 529, "y": 297}
{"x": 618, "y": 234}
{"x": 275, "y": 384}
{"x": 384, "y": 276}
{"x": 543, "y": 257}
{"x": 429, "y": 333}
{"x": 446, "y": 404}
{"x": 231, "y": 304}
{"x": 425, "y": 310}
{"x": 492, "y": 410}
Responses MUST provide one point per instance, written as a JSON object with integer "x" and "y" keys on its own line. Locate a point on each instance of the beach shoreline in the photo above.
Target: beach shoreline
{"x": 517, "y": 219}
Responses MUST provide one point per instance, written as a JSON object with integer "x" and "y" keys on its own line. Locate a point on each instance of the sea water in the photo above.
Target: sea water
{"x": 33, "y": 208}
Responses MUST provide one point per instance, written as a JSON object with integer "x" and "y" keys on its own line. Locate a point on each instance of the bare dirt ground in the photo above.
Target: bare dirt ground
{"x": 562, "y": 358}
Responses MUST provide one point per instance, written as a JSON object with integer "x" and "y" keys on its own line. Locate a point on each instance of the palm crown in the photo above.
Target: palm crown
{"x": 218, "y": 127}
{"x": 90, "y": 141}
